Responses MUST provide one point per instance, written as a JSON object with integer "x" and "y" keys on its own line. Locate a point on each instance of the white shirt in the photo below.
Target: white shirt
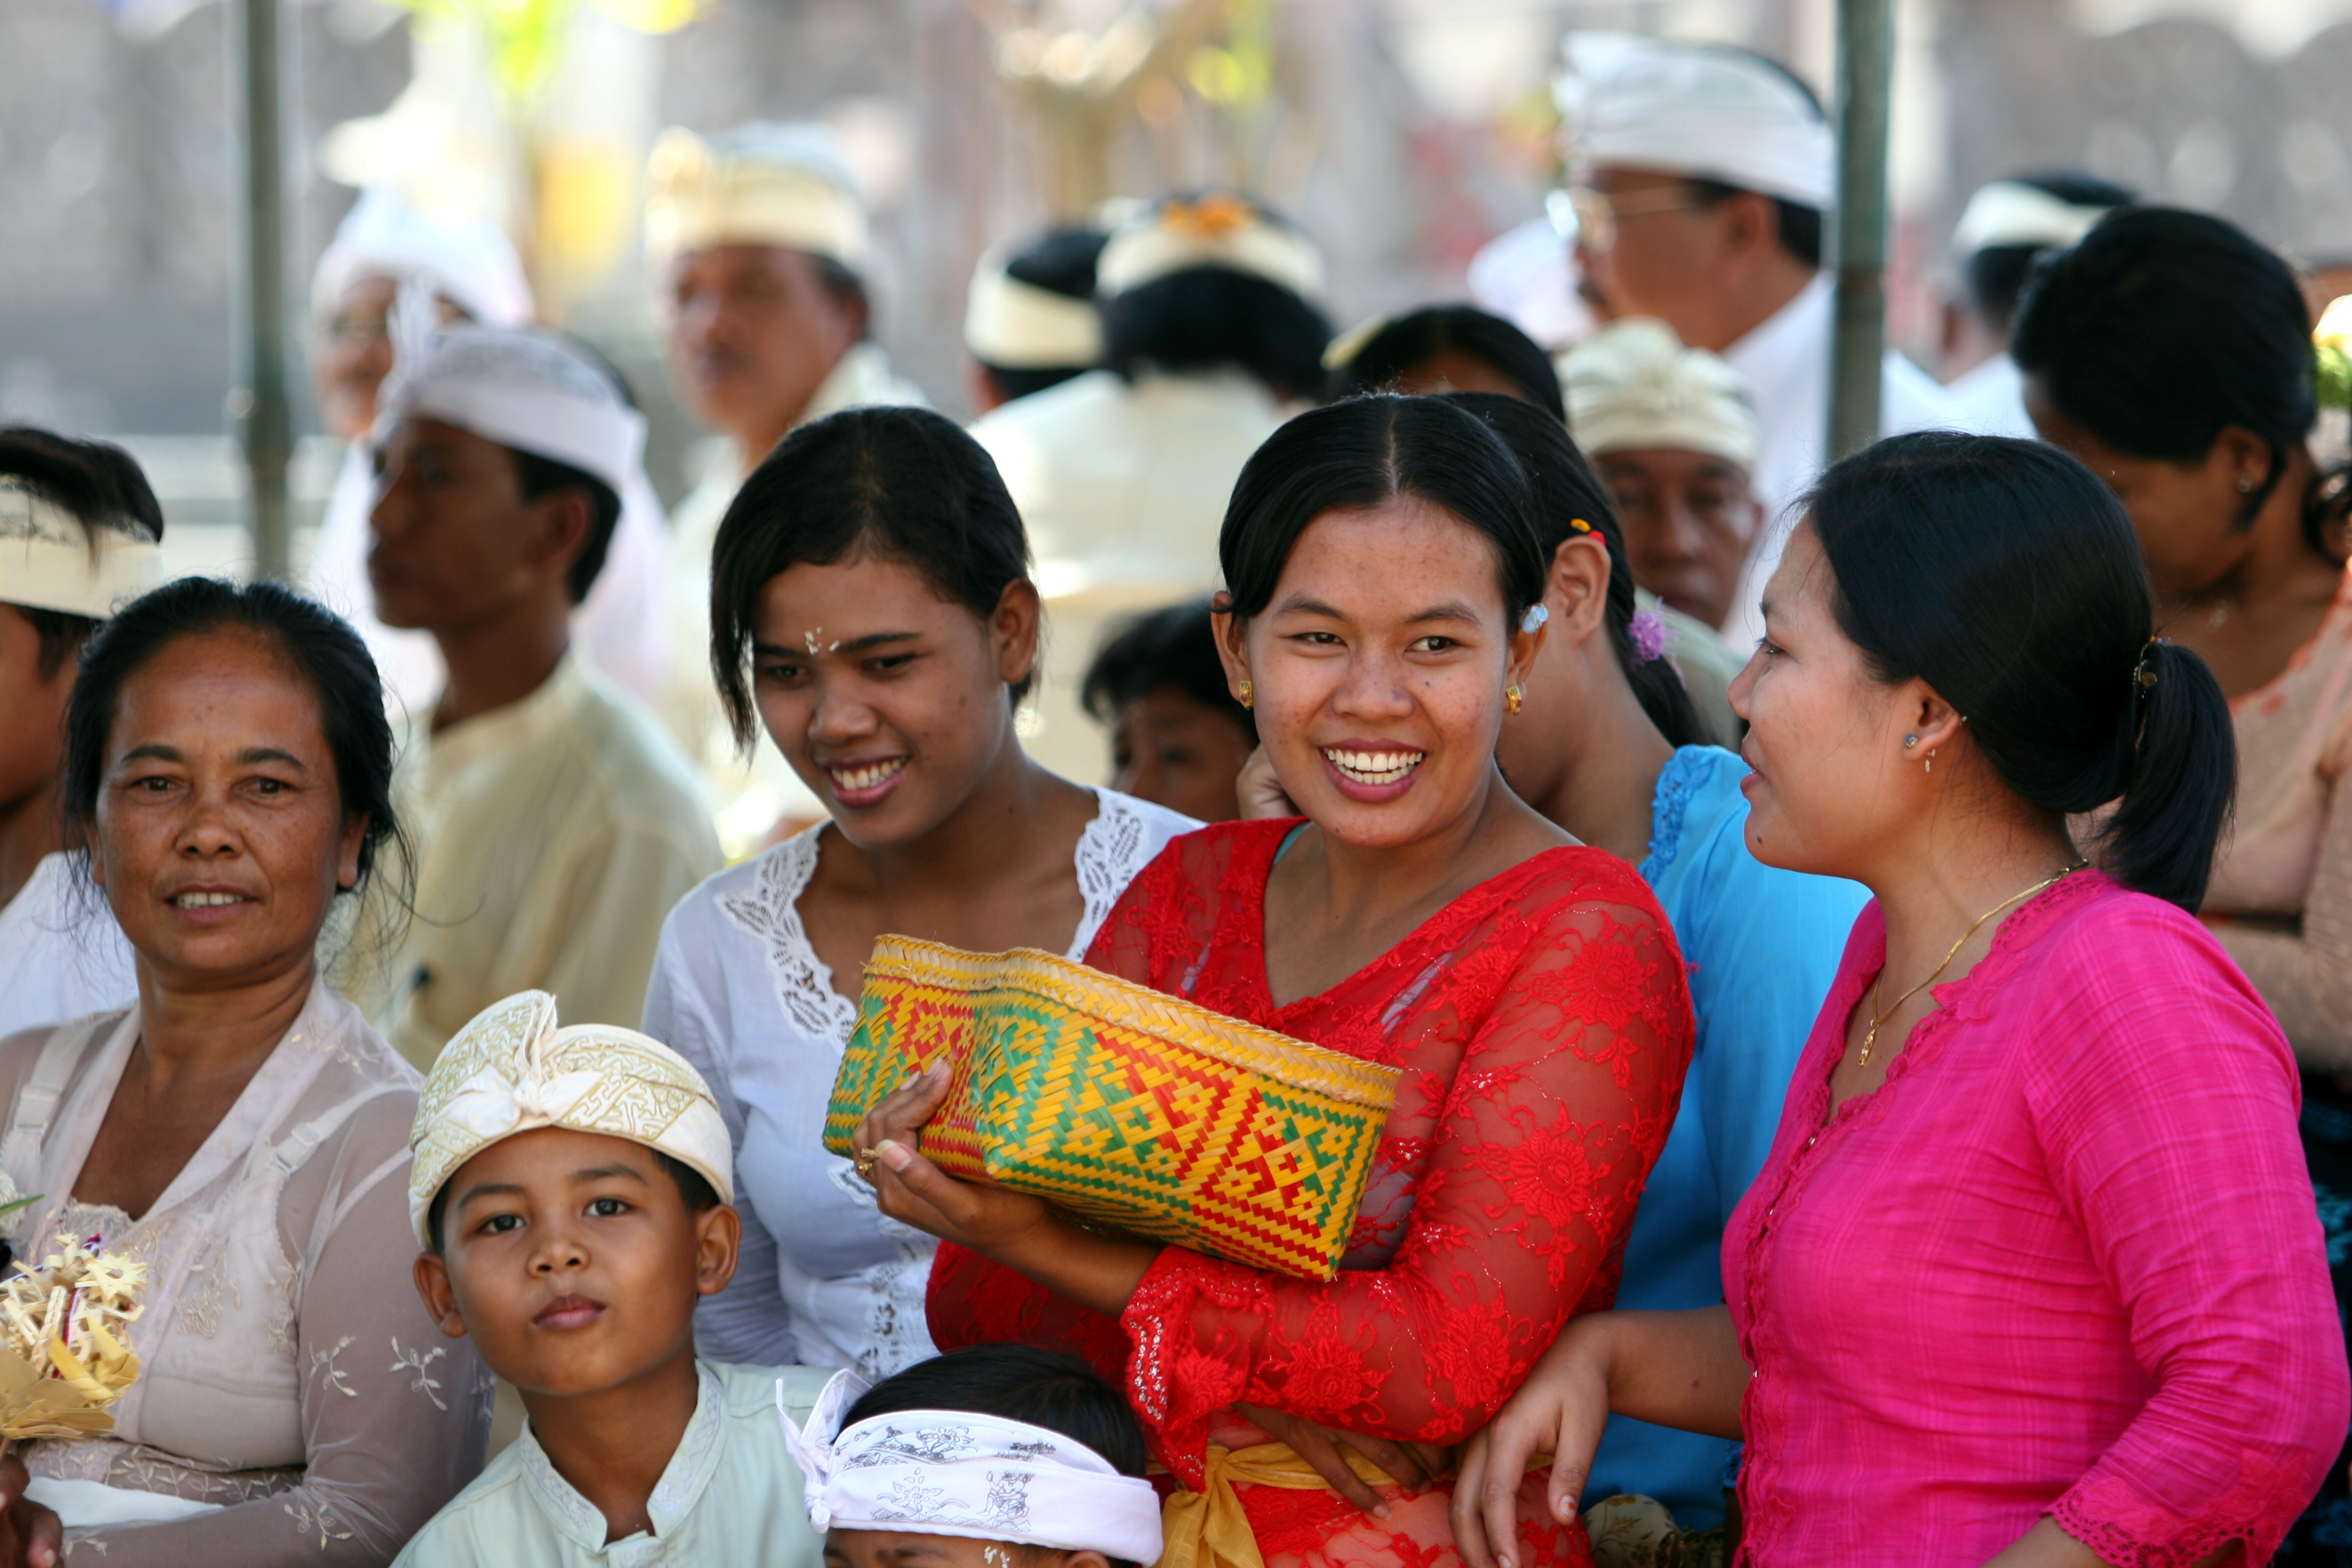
{"x": 62, "y": 955}
{"x": 1786, "y": 362}
{"x": 826, "y": 1278}
{"x": 1123, "y": 489}
{"x": 1990, "y": 399}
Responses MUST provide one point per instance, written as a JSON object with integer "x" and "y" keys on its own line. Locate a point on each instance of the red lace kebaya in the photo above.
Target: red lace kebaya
{"x": 1542, "y": 1024}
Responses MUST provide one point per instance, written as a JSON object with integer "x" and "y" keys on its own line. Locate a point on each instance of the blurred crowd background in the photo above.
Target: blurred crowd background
{"x": 1404, "y": 135}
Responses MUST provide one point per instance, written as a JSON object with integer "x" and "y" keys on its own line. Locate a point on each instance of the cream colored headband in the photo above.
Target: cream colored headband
{"x": 1020, "y": 326}
{"x": 47, "y": 560}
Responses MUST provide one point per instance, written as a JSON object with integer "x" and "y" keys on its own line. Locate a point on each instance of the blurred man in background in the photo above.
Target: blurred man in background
{"x": 758, "y": 236}
{"x": 1029, "y": 320}
{"x": 554, "y": 821}
{"x": 1705, "y": 175}
{"x": 453, "y": 271}
{"x": 1211, "y": 341}
{"x": 2006, "y": 225}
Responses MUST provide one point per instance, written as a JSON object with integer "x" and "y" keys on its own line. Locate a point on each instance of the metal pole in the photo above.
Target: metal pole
{"x": 262, "y": 408}
{"x": 1865, "y": 72}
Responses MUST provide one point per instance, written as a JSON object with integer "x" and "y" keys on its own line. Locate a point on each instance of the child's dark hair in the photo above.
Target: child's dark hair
{"x": 693, "y": 1188}
{"x": 1170, "y": 649}
{"x": 901, "y": 484}
{"x": 1414, "y": 339}
{"x": 99, "y": 484}
{"x": 1016, "y": 1382}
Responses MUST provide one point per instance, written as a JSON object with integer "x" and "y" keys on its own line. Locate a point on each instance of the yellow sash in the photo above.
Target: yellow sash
{"x": 1207, "y": 1528}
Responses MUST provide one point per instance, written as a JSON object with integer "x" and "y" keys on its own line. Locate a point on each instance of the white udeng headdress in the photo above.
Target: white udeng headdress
{"x": 511, "y": 1070}
{"x": 1021, "y": 326}
{"x": 526, "y": 389}
{"x": 52, "y": 560}
{"x": 471, "y": 264}
{"x": 1698, "y": 110}
{"x": 955, "y": 1472}
{"x": 1634, "y": 385}
{"x": 761, "y": 184}
{"x": 1217, "y": 229}
{"x": 2012, "y": 213}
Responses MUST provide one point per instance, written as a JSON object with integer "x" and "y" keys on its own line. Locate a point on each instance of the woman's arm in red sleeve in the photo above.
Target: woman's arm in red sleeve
{"x": 2166, "y": 1102}
{"x": 1560, "y": 1104}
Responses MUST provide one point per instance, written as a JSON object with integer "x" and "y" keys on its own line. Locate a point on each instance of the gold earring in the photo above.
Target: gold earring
{"x": 1245, "y": 693}
{"x": 1512, "y": 696}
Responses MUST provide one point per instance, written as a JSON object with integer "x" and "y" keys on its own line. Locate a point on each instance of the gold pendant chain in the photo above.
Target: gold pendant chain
{"x": 1870, "y": 1036}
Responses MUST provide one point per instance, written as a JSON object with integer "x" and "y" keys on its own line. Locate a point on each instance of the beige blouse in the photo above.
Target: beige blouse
{"x": 290, "y": 1372}
{"x": 2281, "y": 898}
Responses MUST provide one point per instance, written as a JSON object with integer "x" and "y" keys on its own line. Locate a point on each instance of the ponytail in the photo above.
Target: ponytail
{"x": 1568, "y": 499}
{"x": 2005, "y": 574}
{"x": 2180, "y": 773}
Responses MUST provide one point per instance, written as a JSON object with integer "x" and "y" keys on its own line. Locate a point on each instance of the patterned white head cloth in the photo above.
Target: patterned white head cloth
{"x": 2012, "y": 213}
{"x": 761, "y": 184}
{"x": 52, "y": 559}
{"x": 1633, "y": 384}
{"x": 472, "y": 264}
{"x": 523, "y": 388}
{"x": 511, "y": 1070}
{"x": 1020, "y": 326}
{"x": 955, "y": 1472}
{"x": 1218, "y": 228}
{"x": 1702, "y": 110}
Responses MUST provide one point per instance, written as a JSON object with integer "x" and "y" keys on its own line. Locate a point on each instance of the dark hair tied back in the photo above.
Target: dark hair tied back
{"x": 903, "y": 484}
{"x": 319, "y": 647}
{"x": 2005, "y": 576}
{"x": 1363, "y": 453}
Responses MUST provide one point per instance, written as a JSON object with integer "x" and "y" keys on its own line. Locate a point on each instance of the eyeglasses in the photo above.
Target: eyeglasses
{"x": 1588, "y": 217}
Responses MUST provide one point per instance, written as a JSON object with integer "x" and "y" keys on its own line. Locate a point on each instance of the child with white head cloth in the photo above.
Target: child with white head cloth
{"x": 1000, "y": 1456}
{"x": 453, "y": 270}
{"x": 570, "y": 1186}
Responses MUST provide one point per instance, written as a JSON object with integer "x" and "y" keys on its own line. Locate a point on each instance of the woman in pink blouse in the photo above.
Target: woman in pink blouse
{"x": 2033, "y": 1275}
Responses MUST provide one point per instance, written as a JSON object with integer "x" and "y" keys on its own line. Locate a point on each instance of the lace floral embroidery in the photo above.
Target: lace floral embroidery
{"x": 770, "y": 912}
{"x": 419, "y": 1362}
{"x": 1683, "y": 773}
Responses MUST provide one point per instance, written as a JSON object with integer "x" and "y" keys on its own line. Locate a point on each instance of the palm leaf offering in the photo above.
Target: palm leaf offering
{"x": 67, "y": 1356}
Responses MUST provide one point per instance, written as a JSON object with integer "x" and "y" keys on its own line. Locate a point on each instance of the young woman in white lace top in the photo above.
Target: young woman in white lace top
{"x": 871, "y": 607}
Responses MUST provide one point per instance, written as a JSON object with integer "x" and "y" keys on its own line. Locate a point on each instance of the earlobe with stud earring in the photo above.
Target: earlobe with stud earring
{"x": 1512, "y": 697}
{"x": 1909, "y": 742}
{"x": 1244, "y": 693}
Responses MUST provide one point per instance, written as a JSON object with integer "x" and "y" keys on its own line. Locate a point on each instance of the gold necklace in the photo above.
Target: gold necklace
{"x": 1870, "y": 1036}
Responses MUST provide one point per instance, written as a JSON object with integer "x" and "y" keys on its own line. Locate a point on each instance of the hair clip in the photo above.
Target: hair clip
{"x": 1536, "y": 619}
{"x": 1579, "y": 525}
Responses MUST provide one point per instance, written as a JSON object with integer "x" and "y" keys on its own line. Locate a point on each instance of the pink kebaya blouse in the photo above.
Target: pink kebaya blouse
{"x": 2066, "y": 1262}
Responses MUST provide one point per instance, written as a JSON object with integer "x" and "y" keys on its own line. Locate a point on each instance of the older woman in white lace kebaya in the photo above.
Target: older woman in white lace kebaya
{"x": 872, "y": 609}
{"x": 239, "y": 1130}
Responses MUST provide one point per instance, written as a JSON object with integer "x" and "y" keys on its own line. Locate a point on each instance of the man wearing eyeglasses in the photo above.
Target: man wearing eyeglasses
{"x": 1703, "y": 173}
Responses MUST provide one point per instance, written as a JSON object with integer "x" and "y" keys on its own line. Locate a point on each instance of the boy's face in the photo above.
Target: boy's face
{"x": 571, "y": 1261}
{"x": 899, "y": 1548}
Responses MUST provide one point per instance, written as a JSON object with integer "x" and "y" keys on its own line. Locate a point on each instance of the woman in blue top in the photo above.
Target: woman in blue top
{"x": 1601, "y": 752}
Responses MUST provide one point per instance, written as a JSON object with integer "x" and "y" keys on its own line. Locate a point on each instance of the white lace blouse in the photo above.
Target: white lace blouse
{"x": 826, "y": 1278}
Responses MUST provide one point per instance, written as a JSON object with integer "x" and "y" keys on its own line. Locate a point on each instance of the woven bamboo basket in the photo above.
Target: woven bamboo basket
{"x": 1128, "y": 1105}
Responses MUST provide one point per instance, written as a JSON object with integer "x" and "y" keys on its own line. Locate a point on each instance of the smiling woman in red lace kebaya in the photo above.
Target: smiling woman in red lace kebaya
{"x": 1382, "y": 573}
{"x": 2032, "y": 1275}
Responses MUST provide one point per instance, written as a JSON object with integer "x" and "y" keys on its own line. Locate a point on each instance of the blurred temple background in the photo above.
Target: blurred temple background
{"x": 1403, "y": 135}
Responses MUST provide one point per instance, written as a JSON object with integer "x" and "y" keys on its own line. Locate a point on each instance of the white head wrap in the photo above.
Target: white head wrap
{"x": 511, "y": 1070}
{"x": 956, "y": 1472}
{"x": 1633, "y": 384}
{"x": 761, "y": 184}
{"x": 1217, "y": 229}
{"x": 471, "y": 265}
{"x": 2009, "y": 212}
{"x": 52, "y": 559}
{"x": 523, "y": 388}
{"x": 1021, "y": 326}
{"x": 1700, "y": 109}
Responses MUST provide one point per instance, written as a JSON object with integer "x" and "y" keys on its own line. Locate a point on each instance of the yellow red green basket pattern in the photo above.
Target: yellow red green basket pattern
{"x": 1121, "y": 1103}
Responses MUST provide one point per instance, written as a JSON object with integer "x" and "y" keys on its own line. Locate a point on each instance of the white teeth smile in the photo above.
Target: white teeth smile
{"x": 207, "y": 901}
{"x": 1374, "y": 767}
{"x": 850, "y": 781}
